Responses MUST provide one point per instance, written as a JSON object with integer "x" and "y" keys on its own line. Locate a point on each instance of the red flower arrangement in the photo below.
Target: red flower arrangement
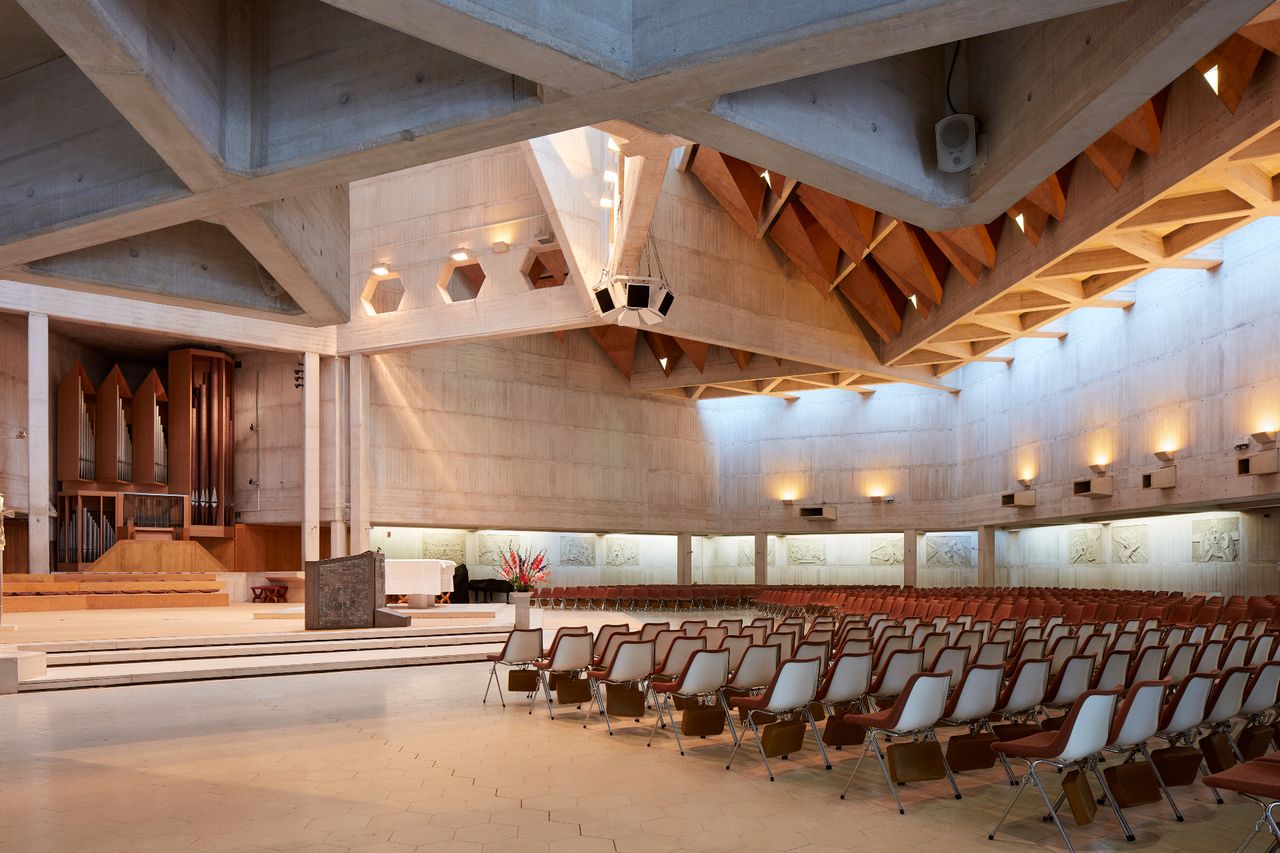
{"x": 526, "y": 570}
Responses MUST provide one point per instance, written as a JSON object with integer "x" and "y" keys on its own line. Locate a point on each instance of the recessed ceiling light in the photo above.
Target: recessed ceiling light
{"x": 613, "y": 146}
{"x": 767, "y": 178}
{"x": 610, "y": 176}
{"x": 663, "y": 362}
{"x": 381, "y": 269}
{"x": 1021, "y": 222}
{"x": 460, "y": 254}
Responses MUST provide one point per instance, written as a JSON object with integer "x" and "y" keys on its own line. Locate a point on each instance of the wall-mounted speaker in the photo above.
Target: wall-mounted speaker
{"x": 957, "y": 140}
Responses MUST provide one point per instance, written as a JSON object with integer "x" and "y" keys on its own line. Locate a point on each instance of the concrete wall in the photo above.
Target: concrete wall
{"x": 534, "y": 433}
{"x": 270, "y": 452}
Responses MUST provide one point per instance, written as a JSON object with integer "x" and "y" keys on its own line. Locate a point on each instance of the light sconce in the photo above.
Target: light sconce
{"x": 1164, "y": 455}
{"x": 886, "y": 499}
{"x": 1264, "y": 436}
{"x": 500, "y": 246}
{"x": 380, "y": 270}
{"x": 460, "y": 254}
{"x": 1099, "y": 468}
{"x": 1026, "y": 482}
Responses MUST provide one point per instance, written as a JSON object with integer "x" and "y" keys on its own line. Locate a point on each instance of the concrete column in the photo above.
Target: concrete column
{"x": 358, "y": 474}
{"x": 987, "y": 555}
{"x": 38, "y": 448}
{"x": 684, "y": 558}
{"x": 311, "y": 456}
{"x": 762, "y": 558}
{"x": 334, "y": 439}
{"x": 910, "y": 558}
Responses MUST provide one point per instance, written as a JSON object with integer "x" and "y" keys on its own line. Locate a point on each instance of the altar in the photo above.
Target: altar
{"x": 420, "y": 580}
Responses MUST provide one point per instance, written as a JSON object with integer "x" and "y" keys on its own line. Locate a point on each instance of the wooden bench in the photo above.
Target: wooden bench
{"x": 270, "y": 594}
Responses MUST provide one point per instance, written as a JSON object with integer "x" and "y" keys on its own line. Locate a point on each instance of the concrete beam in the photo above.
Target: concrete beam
{"x": 1046, "y": 92}
{"x": 39, "y": 453}
{"x": 196, "y": 263}
{"x": 310, "y": 456}
{"x": 305, "y": 243}
{"x": 194, "y": 323}
{"x": 69, "y": 158}
{"x": 685, "y": 375}
{"x": 159, "y": 64}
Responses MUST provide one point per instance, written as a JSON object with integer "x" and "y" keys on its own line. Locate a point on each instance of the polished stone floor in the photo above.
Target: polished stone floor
{"x": 409, "y": 759}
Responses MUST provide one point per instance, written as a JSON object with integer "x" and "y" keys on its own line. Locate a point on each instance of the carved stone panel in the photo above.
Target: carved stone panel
{"x": 806, "y": 552}
{"x": 1086, "y": 545}
{"x": 1129, "y": 543}
{"x": 494, "y": 545}
{"x": 887, "y": 550}
{"x": 747, "y": 553}
{"x": 344, "y": 592}
{"x": 621, "y": 552}
{"x": 577, "y": 550}
{"x": 1215, "y": 540}
{"x": 949, "y": 549}
{"x": 444, "y": 546}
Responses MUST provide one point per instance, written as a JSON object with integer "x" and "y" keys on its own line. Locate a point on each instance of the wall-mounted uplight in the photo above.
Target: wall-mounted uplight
{"x": 610, "y": 176}
{"x": 1026, "y": 482}
{"x": 1099, "y": 468}
{"x": 380, "y": 269}
{"x": 460, "y": 254}
{"x": 1211, "y": 77}
{"x": 606, "y": 201}
{"x": 1265, "y": 436}
{"x": 500, "y": 246}
{"x": 1164, "y": 455}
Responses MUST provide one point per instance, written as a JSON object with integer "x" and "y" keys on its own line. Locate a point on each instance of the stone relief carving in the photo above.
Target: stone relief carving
{"x": 811, "y": 552}
{"x": 344, "y": 592}
{"x": 1215, "y": 540}
{"x": 444, "y": 546}
{"x": 887, "y": 551}
{"x": 1129, "y": 543}
{"x": 492, "y": 545}
{"x": 747, "y": 553}
{"x": 1086, "y": 545}
{"x": 577, "y": 550}
{"x": 948, "y": 550}
{"x": 621, "y": 553}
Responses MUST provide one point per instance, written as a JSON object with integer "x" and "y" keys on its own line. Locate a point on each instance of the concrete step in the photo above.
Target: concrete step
{"x": 152, "y": 672}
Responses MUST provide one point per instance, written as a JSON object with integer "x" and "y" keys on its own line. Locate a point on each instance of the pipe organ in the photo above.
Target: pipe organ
{"x": 121, "y": 454}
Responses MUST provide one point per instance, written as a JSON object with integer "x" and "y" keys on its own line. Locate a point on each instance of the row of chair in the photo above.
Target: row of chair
{"x": 742, "y": 666}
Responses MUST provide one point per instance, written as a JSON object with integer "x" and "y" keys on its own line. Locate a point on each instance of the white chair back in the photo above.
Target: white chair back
{"x": 714, "y": 635}
{"x": 856, "y": 646}
{"x": 706, "y": 672}
{"x": 1031, "y": 682}
{"x": 523, "y": 646}
{"x": 923, "y": 702}
{"x": 1150, "y": 664}
{"x": 1263, "y": 690}
{"x": 899, "y": 667}
{"x": 821, "y": 651}
{"x": 785, "y": 640}
{"x": 1178, "y": 665}
{"x": 573, "y": 652}
{"x": 952, "y": 659}
{"x": 1263, "y": 649}
{"x": 651, "y": 630}
{"x": 1237, "y": 653}
{"x": 633, "y": 661}
{"x": 1073, "y": 680}
{"x": 850, "y": 678}
{"x": 615, "y": 642}
{"x": 795, "y": 686}
{"x": 605, "y": 634}
{"x": 734, "y": 626}
{"x": 1092, "y": 727}
{"x": 678, "y": 657}
{"x": 992, "y": 652}
{"x": 691, "y": 627}
{"x": 1060, "y": 650}
{"x": 736, "y": 645}
{"x": 1114, "y": 671}
{"x": 757, "y": 667}
{"x": 979, "y": 693}
{"x": 1192, "y": 701}
{"x": 1230, "y": 697}
{"x": 1141, "y": 714}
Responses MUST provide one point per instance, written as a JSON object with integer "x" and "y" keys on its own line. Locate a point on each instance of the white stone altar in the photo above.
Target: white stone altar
{"x": 421, "y": 580}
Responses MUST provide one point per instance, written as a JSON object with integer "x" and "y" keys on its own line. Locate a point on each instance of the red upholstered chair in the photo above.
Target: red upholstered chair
{"x": 704, "y": 677}
{"x": 522, "y": 648}
{"x": 790, "y": 693}
{"x": 629, "y": 664}
{"x": 915, "y": 714}
{"x": 1084, "y": 733}
{"x": 1259, "y": 781}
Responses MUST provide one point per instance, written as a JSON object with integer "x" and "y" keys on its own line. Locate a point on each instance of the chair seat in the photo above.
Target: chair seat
{"x": 748, "y": 703}
{"x": 1033, "y": 746}
{"x": 598, "y": 674}
{"x": 874, "y": 720}
{"x": 664, "y": 686}
{"x": 542, "y": 664}
{"x": 1257, "y": 778}
{"x": 494, "y": 657}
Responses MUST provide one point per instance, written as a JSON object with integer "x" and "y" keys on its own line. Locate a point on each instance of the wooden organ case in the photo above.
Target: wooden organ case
{"x": 153, "y": 464}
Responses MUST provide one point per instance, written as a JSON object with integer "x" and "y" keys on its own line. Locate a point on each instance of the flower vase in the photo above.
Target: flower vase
{"x": 521, "y": 601}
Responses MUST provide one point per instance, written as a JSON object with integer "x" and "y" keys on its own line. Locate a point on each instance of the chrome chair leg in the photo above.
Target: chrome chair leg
{"x": 813, "y": 724}
{"x": 884, "y": 767}
{"x": 546, "y": 690}
{"x": 1111, "y": 798}
{"x": 1035, "y": 777}
{"x": 675, "y": 729}
{"x": 1177, "y": 813}
{"x": 1018, "y": 793}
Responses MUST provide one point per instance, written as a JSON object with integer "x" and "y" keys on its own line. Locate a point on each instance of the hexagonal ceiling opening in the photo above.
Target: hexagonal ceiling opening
{"x": 547, "y": 268}
{"x": 383, "y": 295}
{"x": 461, "y": 282}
